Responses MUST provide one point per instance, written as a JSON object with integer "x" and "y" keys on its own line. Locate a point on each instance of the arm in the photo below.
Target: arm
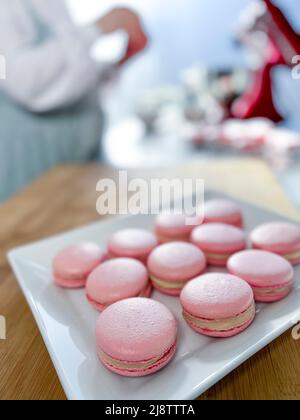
{"x": 52, "y": 75}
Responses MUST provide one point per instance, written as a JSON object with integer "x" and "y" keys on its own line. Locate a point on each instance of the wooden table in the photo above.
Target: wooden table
{"x": 65, "y": 198}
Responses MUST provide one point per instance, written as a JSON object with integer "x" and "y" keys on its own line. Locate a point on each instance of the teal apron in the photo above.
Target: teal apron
{"x": 32, "y": 143}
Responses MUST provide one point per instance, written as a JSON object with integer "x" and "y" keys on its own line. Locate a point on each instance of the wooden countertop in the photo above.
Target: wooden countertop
{"x": 65, "y": 198}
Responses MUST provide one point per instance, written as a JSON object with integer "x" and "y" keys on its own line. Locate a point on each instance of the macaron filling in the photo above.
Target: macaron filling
{"x": 141, "y": 256}
{"x": 222, "y": 325}
{"x": 292, "y": 256}
{"x": 272, "y": 291}
{"x": 221, "y": 257}
{"x": 167, "y": 284}
{"x": 138, "y": 365}
{"x": 169, "y": 238}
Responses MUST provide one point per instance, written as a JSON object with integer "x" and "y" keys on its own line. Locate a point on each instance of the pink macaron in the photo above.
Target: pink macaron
{"x": 136, "y": 337}
{"x": 73, "y": 265}
{"x": 115, "y": 280}
{"x": 173, "y": 264}
{"x": 132, "y": 243}
{"x": 218, "y": 305}
{"x": 218, "y": 241}
{"x": 270, "y": 276}
{"x": 223, "y": 211}
{"x": 281, "y": 238}
{"x": 175, "y": 227}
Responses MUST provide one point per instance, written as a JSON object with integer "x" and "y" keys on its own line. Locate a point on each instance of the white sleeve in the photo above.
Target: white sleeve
{"x": 54, "y": 74}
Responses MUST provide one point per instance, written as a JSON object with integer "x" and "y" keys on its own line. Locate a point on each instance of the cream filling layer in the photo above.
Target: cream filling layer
{"x": 224, "y": 324}
{"x": 167, "y": 285}
{"x": 131, "y": 365}
{"x": 180, "y": 238}
{"x": 120, "y": 365}
{"x": 265, "y": 291}
{"x": 221, "y": 257}
{"x": 292, "y": 256}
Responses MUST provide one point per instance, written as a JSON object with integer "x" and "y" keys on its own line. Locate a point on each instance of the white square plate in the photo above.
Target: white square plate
{"x": 67, "y": 324}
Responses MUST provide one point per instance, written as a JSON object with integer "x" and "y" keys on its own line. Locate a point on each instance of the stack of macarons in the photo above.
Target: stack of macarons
{"x": 174, "y": 260}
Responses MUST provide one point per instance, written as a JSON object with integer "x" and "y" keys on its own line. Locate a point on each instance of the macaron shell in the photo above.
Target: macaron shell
{"x": 76, "y": 262}
{"x": 261, "y": 268}
{"x": 176, "y": 261}
{"x": 146, "y": 293}
{"x": 279, "y": 237}
{"x": 135, "y": 330}
{"x": 218, "y": 238}
{"x": 132, "y": 243}
{"x": 142, "y": 372}
{"x": 216, "y": 296}
{"x": 117, "y": 279}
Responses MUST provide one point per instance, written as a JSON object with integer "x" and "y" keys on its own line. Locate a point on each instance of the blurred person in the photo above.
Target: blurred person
{"x": 49, "y": 102}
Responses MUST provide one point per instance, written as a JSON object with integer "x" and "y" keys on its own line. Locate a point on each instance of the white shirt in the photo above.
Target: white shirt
{"x": 56, "y": 73}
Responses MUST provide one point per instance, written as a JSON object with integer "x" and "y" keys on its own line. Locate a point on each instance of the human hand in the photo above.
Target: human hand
{"x": 127, "y": 20}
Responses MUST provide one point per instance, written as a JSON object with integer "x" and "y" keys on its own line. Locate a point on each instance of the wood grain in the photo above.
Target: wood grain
{"x": 66, "y": 198}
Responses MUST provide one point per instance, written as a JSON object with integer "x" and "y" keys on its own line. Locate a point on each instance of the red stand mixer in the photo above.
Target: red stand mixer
{"x": 282, "y": 43}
